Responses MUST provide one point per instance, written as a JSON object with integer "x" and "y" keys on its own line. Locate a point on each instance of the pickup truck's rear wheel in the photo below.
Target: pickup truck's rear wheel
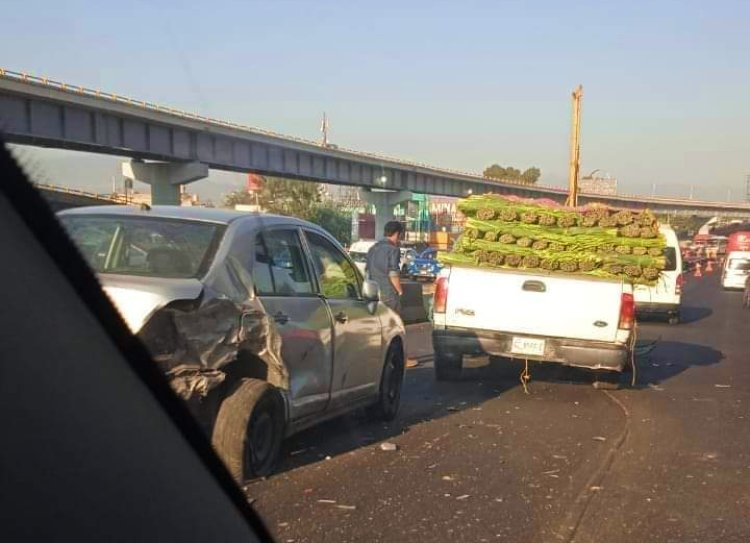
{"x": 249, "y": 429}
{"x": 448, "y": 366}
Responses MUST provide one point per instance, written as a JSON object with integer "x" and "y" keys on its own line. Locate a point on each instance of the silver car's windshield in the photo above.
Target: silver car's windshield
{"x": 151, "y": 247}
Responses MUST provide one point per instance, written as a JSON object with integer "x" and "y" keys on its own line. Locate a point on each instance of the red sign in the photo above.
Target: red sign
{"x": 738, "y": 241}
{"x": 254, "y": 182}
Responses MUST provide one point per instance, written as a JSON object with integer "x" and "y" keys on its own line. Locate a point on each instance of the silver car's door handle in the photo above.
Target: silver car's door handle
{"x": 281, "y": 318}
{"x": 341, "y": 317}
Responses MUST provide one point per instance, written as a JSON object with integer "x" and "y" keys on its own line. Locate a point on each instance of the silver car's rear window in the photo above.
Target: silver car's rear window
{"x": 153, "y": 247}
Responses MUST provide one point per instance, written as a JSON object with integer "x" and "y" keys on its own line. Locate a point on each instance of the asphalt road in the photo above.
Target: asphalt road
{"x": 480, "y": 460}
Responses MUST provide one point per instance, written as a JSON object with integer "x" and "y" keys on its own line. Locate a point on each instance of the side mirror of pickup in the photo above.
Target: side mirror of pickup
{"x": 370, "y": 291}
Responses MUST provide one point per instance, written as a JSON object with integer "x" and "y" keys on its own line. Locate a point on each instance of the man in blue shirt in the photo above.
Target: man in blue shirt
{"x": 384, "y": 265}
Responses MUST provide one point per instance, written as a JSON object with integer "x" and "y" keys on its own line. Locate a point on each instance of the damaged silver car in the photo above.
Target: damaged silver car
{"x": 261, "y": 323}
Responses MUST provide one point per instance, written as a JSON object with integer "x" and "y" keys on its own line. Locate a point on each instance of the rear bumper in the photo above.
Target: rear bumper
{"x": 655, "y": 308}
{"x": 570, "y": 352}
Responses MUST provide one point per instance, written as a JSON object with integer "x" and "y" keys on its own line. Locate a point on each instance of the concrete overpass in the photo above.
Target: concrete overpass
{"x": 41, "y": 112}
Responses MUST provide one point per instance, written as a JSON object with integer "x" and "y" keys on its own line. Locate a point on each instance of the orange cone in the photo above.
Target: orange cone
{"x": 697, "y": 270}
{"x": 709, "y": 266}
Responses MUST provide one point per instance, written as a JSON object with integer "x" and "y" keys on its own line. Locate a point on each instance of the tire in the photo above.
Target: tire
{"x": 448, "y": 366}
{"x": 607, "y": 380}
{"x": 249, "y": 429}
{"x": 391, "y": 384}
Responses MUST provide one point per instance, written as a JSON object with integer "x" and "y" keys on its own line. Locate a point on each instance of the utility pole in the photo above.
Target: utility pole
{"x": 575, "y": 148}
{"x": 324, "y": 129}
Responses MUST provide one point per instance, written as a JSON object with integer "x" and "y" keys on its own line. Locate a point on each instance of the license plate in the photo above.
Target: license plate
{"x": 526, "y": 345}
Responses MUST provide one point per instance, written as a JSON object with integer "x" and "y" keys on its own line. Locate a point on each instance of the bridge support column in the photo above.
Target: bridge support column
{"x": 384, "y": 201}
{"x": 165, "y": 178}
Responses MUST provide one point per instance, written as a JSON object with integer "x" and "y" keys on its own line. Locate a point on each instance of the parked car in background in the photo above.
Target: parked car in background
{"x": 664, "y": 298}
{"x": 261, "y": 323}
{"x": 358, "y": 252}
{"x": 424, "y": 266}
{"x": 736, "y": 269}
{"x": 407, "y": 256}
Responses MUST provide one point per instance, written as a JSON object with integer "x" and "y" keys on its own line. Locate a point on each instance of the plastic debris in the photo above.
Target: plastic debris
{"x": 599, "y": 438}
{"x": 463, "y": 497}
{"x": 347, "y": 507}
{"x": 326, "y": 501}
{"x": 387, "y": 446}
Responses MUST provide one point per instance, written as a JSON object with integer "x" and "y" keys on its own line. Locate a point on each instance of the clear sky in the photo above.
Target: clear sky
{"x": 460, "y": 84}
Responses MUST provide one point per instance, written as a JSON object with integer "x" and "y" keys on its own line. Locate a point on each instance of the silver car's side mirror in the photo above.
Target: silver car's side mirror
{"x": 370, "y": 291}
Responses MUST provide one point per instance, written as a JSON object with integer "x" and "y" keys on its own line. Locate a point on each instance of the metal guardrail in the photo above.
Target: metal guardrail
{"x": 117, "y": 98}
{"x": 120, "y": 199}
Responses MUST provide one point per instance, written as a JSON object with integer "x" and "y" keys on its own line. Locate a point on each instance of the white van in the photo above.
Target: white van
{"x": 665, "y": 297}
{"x": 358, "y": 252}
{"x": 735, "y": 271}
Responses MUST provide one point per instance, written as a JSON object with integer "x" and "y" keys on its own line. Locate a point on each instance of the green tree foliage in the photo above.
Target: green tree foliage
{"x": 530, "y": 176}
{"x": 300, "y": 199}
{"x": 336, "y": 221}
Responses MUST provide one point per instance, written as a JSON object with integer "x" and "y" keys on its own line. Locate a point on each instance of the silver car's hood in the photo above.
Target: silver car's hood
{"x": 136, "y": 298}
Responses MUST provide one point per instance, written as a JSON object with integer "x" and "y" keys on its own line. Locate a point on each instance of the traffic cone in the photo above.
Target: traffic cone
{"x": 697, "y": 270}
{"x": 709, "y": 266}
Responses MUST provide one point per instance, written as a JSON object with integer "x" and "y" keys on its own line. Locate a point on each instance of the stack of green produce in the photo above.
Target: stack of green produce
{"x": 526, "y": 234}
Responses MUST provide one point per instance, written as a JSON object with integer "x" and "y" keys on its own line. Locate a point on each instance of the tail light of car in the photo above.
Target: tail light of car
{"x": 627, "y": 311}
{"x": 440, "y": 298}
{"x": 679, "y": 285}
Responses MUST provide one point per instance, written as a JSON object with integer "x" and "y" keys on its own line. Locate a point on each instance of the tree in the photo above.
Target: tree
{"x": 283, "y": 196}
{"x": 290, "y": 197}
{"x": 530, "y": 176}
{"x": 334, "y": 220}
{"x": 300, "y": 199}
{"x": 495, "y": 172}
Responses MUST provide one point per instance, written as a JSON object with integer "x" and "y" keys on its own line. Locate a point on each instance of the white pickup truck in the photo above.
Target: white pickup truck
{"x": 576, "y": 321}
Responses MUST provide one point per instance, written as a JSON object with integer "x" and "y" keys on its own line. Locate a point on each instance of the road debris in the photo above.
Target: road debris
{"x": 463, "y": 497}
{"x": 447, "y": 478}
{"x": 599, "y": 438}
{"x": 595, "y": 488}
{"x": 723, "y": 386}
{"x": 655, "y": 387}
{"x": 347, "y": 507}
{"x": 387, "y": 446}
{"x": 327, "y": 501}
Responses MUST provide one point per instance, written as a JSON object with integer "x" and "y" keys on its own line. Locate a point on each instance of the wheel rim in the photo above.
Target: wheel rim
{"x": 262, "y": 436}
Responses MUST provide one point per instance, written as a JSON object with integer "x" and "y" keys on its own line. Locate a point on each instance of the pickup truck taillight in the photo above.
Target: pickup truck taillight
{"x": 680, "y": 283}
{"x": 440, "y": 298}
{"x": 627, "y": 312}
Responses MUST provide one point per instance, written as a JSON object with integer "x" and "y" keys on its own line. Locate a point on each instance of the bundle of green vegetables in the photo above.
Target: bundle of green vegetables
{"x": 507, "y": 232}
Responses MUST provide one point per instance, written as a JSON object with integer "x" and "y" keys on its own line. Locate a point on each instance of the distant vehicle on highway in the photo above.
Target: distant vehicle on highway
{"x": 424, "y": 266}
{"x": 358, "y": 252}
{"x": 736, "y": 269}
{"x": 665, "y": 297}
{"x": 261, "y": 323}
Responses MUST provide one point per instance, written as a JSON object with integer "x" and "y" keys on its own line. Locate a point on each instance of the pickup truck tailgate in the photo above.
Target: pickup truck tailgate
{"x": 539, "y": 305}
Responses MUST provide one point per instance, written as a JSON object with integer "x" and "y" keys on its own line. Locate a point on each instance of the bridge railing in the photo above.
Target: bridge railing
{"x": 118, "y": 198}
